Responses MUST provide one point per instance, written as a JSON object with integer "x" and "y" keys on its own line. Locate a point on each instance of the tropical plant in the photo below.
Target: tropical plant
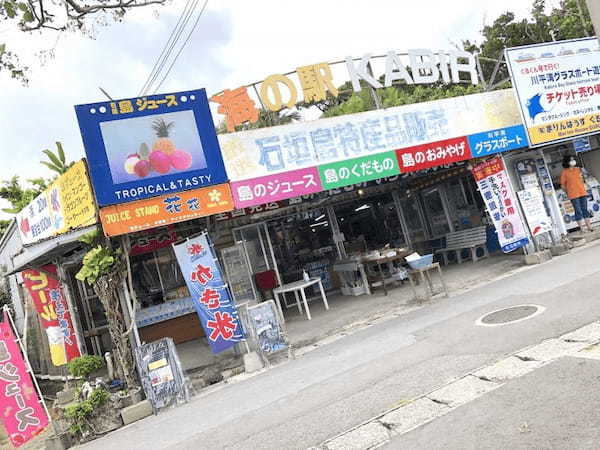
{"x": 57, "y": 162}
{"x": 103, "y": 269}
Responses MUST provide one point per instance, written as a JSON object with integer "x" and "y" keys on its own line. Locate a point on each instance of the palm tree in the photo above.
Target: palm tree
{"x": 57, "y": 162}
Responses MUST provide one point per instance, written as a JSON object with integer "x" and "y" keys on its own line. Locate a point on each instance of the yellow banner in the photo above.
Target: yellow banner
{"x": 66, "y": 205}
{"x": 563, "y": 129}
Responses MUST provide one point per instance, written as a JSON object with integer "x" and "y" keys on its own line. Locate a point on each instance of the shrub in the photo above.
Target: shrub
{"x": 84, "y": 365}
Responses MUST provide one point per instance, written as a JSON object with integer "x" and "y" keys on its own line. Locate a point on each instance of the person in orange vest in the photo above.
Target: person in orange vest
{"x": 572, "y": 182}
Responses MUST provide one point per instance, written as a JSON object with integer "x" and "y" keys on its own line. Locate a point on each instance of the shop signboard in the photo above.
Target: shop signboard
{"x": 161, "y": 373}
{"x": 145, "y": 147}
{"x": 165, "y": 210}
{"x": 23, "y": 414}
{"x": 253, "y": 157}
{"x": 210, "y": 294}
{"x": 501, "y": 204}
{"x": 357, "y": 170}
{"x": 151, "y": 240}
{"x": 557, "y": 85}
{"x": 272, "y": 188}
{"x": 434, "y": 154}
{"x": 266, "y": 328}
{"x": 497, "y": 141}
{"x": 532, "y": 203}
{"x": 582, "y": 144}
{"x": 48, "y": 298}
{"x": 66, "y": 205}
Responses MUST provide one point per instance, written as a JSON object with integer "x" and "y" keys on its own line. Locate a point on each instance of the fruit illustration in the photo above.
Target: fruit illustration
{"x": 162, "y": 129}
{"x": 160, "y": 161}
{"x": 181, "y": 160}
{"x": 142, "y": 168}
{"x": 130, "y": 163}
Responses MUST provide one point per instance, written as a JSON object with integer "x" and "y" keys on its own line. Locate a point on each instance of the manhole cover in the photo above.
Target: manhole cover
{"x": 510, "y": 315}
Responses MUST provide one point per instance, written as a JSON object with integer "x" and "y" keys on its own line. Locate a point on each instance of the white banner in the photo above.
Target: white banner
{"x": 557, "y": 86}
{"x": 268, "y": 151}
{"x": 532, "y": 202}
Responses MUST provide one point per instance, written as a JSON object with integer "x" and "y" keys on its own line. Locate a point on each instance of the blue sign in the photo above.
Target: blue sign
{"x": 210, "y": 295}
{"x": 497, "y": 141}
{"x": 582, "y": 144}
{"x": 149, "y": 146}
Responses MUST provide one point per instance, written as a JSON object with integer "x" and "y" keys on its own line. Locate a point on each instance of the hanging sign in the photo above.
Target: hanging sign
{"x": 532, "y": 202}
{"x": 166, "y": 209}
{"x": 424, "y": 135}
{"x": 357, "y": 170}
{"x": 210, "y": 294}
{"x": 500, "y": 202}
{"x": 434, "y": 154}
{"x": 22, "y": 413}
{"x": 66, "y": 205}
{"x": 582, "y": 144}
{"x": 557, "y": 85}
{"x": 497, "y": 141}
{"x": 47, "y": 295}
{"x": 143, "y": 147}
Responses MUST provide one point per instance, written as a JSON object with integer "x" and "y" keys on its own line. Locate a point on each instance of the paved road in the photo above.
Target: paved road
{"x": 553, "y": 407}
{"x": 331, "y": 389}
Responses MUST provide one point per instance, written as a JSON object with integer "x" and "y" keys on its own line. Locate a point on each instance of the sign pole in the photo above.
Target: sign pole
{"x": 29, "y": 369}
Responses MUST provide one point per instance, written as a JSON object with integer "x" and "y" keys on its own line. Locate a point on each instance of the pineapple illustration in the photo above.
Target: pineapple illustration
{"x": 162, "y": 129}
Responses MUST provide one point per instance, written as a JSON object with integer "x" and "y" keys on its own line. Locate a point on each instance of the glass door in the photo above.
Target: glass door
{"x": 435, "y": 211}
{"x": 257, "y": 246}
{"x": 413, "y": 218}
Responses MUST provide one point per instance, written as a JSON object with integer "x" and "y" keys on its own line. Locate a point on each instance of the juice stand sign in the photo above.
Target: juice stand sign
{"x": 47, "y": 294}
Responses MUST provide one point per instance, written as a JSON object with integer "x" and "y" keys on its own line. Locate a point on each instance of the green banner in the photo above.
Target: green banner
{"x": 357, "y": 170}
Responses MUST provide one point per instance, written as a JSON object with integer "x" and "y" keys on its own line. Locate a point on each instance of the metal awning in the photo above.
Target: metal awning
{"x": 47, "y": 251}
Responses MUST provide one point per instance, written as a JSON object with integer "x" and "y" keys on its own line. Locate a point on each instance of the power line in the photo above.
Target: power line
{"x": 183, "y": 45}
{"x": 180, "y": 31}
{"x": 173, "y": 37}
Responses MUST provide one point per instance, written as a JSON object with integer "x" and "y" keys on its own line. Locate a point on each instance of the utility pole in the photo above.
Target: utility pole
{"x": 593, "y": 7}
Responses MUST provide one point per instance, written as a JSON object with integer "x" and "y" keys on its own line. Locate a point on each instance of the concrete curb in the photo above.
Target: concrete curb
{"x": 378, "y": 431}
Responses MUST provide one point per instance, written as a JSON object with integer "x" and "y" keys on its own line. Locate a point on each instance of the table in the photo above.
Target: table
{"x": 423, "y": 273}
{"x": 389, "y": 260}
{"x": 299, "y": 287}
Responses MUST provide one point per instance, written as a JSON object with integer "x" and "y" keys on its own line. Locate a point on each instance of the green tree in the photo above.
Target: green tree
{"x": 18, "y": 195}
{"x": 265, "y": 119}
{"x": 569, "y": 20}
{"x": 57, "y": 162}
{"x": 54, "y": 16}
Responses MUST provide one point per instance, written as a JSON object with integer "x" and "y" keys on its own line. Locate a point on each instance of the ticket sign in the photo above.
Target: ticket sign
{"x": 358, "y": 170}
{"x": 557, "y": 85}
{"x": 165, "y": 210}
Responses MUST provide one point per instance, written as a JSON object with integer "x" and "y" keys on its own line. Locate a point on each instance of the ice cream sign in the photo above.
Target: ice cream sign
{"x": 146, "y": 147}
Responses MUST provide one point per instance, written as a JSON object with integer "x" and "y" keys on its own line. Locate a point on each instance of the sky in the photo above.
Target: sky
{"x": 236, "y": 42}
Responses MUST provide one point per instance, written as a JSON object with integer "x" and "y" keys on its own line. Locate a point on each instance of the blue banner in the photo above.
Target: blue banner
{"x": 150, "y": 146}
{"x": 212, "y": 300}
{"x": 497, "y": 141}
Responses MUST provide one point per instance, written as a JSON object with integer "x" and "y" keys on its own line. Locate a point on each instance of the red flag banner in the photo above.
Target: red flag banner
{"x": 50, "y": 303}
{"x": 21, "y": 410}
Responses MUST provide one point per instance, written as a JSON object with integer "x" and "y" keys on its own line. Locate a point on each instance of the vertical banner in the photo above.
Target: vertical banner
{"x": 501, "y": 204}
{"x": 532, "y": 203}
{"x": 50, "y": 303}
{"x": 21, "y": 410}
{"x": 212, "y": 301}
